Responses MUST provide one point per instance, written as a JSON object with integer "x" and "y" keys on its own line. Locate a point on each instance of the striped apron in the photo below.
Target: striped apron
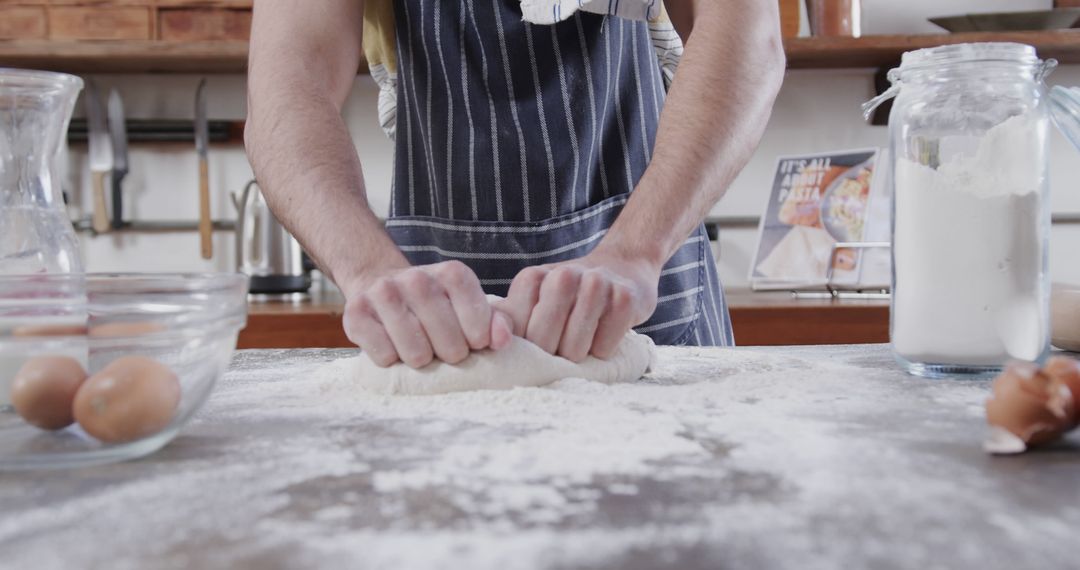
{"x": 519, "y": 144}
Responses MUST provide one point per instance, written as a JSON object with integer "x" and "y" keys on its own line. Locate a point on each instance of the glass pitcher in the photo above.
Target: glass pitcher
{"x": 35, "y": 108}
{"x": 970, "y": 217}
{"x": 42, "y": 286}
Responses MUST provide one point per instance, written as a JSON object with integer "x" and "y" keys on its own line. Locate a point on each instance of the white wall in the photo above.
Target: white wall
{"x": 816, "y": 111}
{"x": 163, "y": 182}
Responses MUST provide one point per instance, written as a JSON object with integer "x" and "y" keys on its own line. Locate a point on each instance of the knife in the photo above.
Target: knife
{"x": 202, "y": 140}
{"x": 118, "y": 130}
{"x": 101, "y": 155}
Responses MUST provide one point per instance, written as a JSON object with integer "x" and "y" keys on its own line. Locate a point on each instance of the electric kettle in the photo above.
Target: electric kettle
{"x": 265, "y": 250}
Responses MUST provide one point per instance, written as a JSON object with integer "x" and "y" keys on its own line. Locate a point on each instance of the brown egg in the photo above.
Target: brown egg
{"x": 131, "y": 398}
{"x": 44, "y": 389}
{"x": 137, "y": 328}
{"x": 1031, "y": 404}
{"x": 49, "y": 330}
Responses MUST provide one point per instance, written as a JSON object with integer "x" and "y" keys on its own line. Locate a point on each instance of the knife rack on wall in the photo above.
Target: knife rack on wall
{"x": 161, "y": 132}
{"x": 154, "y": 227}
{"x": 166, "y": 131}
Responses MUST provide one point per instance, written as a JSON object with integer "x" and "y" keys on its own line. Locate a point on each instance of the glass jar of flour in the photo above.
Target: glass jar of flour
{"x": 971, "y": 218}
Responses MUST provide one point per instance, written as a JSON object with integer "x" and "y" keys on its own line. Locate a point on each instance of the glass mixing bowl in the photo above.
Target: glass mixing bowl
{"x": 187, "y": 322}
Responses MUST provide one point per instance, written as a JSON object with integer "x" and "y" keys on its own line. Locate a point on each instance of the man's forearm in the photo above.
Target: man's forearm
{"x": 712, "y": 122}
{"x": 308, "y": 167}
{"x": 303, "y": 63}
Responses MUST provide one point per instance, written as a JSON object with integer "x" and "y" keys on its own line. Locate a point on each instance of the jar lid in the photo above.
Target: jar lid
{"x": 971, "y": 52}
{"x": 926, "y": 61}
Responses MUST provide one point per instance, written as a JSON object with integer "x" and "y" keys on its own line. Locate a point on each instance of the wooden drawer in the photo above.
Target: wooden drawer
{"x": 96, "y": 3}
{"x": 182, "y": 24}
{"x": 22, "y": 22}
{"x": 237, "y": 4}
{"x": 100, "y": 23}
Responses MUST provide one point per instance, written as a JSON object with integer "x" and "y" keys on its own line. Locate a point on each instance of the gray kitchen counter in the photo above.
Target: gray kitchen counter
{"x": 810, "y": 457}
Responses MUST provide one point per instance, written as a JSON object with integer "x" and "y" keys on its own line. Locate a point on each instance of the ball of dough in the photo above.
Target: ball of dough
{"x": 131, "y": 398}
{"x": 44, "y": 388}
{"x": 521, "y": 364}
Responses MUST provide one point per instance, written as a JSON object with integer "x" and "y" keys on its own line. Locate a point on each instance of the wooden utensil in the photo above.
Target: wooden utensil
{"x": 100, "y": 155}
{"x": 202, "y": 141}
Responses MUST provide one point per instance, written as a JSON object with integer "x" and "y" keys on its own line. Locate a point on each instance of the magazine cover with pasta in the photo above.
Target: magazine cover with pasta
{"x": 816, "y": 202}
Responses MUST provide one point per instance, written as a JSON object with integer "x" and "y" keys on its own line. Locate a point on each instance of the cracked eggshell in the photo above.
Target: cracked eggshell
{"x": 1066, "y": 371}
{"x": 1031, "y": 405}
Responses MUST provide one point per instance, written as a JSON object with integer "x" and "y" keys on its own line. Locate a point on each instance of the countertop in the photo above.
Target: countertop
{"x": 758, "y": 318}
{"x": 812, "y": 457}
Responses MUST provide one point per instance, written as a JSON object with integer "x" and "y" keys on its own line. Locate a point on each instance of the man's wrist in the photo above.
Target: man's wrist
{"x": 637, "y": 235}
{"x": 359, "y": 275}
{"x": 631, "y": 249}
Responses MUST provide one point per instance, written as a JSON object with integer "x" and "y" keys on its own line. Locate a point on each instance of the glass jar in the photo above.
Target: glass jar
{"x": 42, "y": 283}
{"x": 970, "y": 216}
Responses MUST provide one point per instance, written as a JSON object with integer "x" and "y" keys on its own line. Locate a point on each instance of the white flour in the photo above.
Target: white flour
{"x": 716, "y": 448}
{"x": 968, "y": 252}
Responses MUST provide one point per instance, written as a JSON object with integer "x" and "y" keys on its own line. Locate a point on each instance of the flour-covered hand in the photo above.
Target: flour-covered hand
{"x": 417, "y": 314}
{"x": 584, "y": 306}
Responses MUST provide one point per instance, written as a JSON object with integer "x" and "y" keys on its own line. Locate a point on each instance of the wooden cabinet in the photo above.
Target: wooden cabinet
{"x": 23, "y": 22}
{"x": 757, "y": 319}
{"x": 162, "y": 20}
{"x": 778, "y": 319}
{"x": 100, "y": 23}
{"x": 203, "y": 24}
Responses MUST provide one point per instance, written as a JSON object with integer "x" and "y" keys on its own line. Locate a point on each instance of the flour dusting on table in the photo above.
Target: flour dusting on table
{"x": 710, "y": 457}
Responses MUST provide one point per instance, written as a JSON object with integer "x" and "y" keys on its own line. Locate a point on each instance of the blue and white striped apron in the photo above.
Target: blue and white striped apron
{"x": 519, "y": 144}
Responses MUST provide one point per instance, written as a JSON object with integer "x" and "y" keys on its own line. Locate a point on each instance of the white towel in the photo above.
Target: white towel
{"x": 554, "y": 11}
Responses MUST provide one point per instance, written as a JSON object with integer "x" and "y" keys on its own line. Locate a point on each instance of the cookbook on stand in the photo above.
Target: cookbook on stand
{"x": 816, "y": 202}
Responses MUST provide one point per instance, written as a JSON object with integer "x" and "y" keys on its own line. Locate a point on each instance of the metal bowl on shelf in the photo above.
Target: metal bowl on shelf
{"x": 187, "y": 322}
{"x": 1056, "y": 19}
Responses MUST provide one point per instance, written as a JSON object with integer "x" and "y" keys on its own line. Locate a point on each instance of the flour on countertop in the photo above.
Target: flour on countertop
{"x": 741, "y": 444}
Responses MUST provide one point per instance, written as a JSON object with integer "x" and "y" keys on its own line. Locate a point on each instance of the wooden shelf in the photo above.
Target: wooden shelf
{"x": 128, "y": 56}
{"x": 144, "y": 56}
{"x": 878, "y": 51}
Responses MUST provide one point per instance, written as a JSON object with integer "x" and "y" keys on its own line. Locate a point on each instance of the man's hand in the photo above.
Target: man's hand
{"x": 584, "y": 306}
{"x": 415, "y": 314}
